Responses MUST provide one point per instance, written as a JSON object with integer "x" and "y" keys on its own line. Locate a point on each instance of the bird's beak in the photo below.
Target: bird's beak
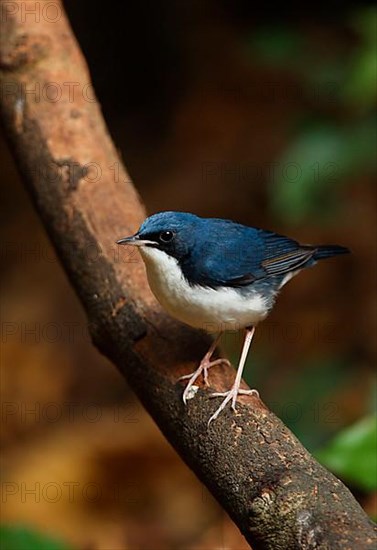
{"x": 134, "y": 240}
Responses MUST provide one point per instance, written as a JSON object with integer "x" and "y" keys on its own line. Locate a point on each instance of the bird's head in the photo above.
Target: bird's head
{"x": 169, "y": 232}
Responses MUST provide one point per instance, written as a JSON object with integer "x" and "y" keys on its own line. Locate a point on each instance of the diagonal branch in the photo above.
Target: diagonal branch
{"x": 274, "y": 490}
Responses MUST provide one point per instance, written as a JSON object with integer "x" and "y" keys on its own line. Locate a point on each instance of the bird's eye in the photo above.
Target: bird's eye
{"x": 166, "y": 236}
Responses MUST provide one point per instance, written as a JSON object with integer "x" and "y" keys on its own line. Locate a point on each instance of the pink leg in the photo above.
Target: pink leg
{"x": 235, "y": 390}
{"x": 205, "y": 364}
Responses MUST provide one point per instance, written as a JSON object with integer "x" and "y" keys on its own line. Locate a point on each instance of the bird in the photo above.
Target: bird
{"x": 212, "y": 272}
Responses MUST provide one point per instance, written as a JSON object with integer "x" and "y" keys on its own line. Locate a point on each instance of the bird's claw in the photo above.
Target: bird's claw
{"x": 230, "y": 395}
{"x": 185, "y": 376}
{"x": 202, "y": 369}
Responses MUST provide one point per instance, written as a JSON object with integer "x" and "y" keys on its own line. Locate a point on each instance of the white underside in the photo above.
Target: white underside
{"x": 201, "y": 307}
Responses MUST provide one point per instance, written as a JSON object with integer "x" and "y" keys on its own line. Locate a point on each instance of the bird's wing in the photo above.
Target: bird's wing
{"x": 282, "y": 255}
{"x": 241, "y": 255}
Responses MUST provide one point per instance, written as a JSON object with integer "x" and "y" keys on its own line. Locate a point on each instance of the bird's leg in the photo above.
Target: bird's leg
{"x": 205, "y": 364}
{"x": 235, "y": 390}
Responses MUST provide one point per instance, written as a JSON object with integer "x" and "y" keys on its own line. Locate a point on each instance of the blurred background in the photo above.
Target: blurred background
{"x": 224, "y": 109}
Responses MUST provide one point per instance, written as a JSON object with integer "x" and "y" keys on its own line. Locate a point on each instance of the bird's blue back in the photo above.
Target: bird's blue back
{"x": 216, "y": 252}
{"x": 228, "y": 253}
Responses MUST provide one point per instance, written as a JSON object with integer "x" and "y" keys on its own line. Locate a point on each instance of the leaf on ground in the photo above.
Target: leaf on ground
{"x": 22, "y": 538}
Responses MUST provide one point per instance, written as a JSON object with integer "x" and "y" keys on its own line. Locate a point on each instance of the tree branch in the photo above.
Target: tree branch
{"x": 273, "y": 489}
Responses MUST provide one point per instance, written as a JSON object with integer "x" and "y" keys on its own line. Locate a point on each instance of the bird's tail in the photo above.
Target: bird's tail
{"x": 326, "y": 251}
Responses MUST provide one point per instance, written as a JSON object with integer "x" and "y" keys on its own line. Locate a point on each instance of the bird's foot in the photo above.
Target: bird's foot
{"x": 230, "y": 395}
{"x": 202, "y": 369}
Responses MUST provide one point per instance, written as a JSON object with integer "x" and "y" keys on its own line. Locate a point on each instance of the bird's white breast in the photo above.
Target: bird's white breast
{"x": 202, "y": 307}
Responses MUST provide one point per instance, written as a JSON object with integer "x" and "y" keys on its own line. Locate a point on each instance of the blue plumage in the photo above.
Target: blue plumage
{"x": 211, "y": 273}
{"x": 216, "y": 253}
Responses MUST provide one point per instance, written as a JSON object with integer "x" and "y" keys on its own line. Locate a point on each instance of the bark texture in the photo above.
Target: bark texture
{"x": 273, "y": 489}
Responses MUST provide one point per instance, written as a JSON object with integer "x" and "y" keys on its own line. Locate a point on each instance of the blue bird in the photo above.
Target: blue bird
{"x": 210, "y": 272}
